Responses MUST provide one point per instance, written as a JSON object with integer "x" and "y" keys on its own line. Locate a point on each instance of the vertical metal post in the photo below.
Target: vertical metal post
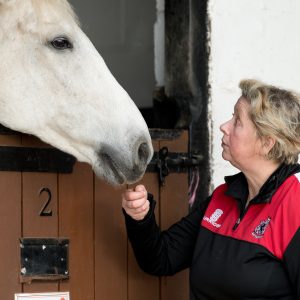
{"x": 186, "y": 75}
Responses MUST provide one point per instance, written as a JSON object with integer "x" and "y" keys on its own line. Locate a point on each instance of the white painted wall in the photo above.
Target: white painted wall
{"x": 249, "y": 39}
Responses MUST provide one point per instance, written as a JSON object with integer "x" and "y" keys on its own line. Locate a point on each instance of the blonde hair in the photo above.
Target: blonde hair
{"x": 275, "y": 112}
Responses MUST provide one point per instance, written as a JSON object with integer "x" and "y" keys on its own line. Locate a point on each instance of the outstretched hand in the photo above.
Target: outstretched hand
{"x": 135, "y": 202}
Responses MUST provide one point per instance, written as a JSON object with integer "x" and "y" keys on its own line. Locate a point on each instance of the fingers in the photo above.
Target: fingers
{"x": 140, "y": 188}
{"x": 135, "y": 202}
{"x": 137, "y": 213}
{"x": 132, "y": 195}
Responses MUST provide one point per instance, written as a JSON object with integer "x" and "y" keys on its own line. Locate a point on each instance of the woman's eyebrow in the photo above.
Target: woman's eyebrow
{"x": 239, "y": 109}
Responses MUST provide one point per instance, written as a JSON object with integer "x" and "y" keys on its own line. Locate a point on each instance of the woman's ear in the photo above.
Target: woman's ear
{"x": 268, "y": 144}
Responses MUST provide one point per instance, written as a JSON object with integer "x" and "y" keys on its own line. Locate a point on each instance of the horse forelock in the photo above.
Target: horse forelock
{"x": 34, "y": 13}
{"x": 61, "y": 7}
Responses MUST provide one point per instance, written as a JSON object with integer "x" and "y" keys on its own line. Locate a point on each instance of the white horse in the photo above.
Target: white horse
{"x": 56, "y": 86}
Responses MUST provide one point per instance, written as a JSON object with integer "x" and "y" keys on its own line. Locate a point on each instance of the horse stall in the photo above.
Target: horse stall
{"x": 61, "y": 226}
{"x": 70, "y": 208}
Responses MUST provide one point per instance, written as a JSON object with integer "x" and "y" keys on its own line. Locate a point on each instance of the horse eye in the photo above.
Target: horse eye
{"x": 61, "y": 43}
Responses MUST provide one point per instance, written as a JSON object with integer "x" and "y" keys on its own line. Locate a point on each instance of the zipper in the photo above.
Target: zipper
{"x": 238, "y": 221}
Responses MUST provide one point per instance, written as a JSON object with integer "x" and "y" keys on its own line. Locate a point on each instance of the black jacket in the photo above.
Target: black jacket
{"x": 232, "y": 252}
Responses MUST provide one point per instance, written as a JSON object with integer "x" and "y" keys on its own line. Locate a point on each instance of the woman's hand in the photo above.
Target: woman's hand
{"x": 135, "y": 202}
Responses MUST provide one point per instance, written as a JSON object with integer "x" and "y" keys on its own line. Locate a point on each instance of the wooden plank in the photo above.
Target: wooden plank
{"x": 76, "y": 222}
{"x": 33, "y": 201}
{"x": 141, "y": 285}
{"x": 173, "y": 206}
{"x": 110, "y": 243}
{"x": 102, "y": 264}
{"x": 10, "y": 226}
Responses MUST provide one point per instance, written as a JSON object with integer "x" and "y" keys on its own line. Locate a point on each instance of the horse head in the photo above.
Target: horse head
{"x": 56, "y": 86}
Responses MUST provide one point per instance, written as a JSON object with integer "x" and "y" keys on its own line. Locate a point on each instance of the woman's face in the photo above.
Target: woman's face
{"x": 240, "y": 143}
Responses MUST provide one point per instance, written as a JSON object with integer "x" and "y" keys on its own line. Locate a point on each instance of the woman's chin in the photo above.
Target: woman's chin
{"x": 228, "y": 158}
{"x": 224, "y": 155}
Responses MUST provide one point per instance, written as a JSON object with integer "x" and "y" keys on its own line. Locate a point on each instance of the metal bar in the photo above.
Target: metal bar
{"x": 24, "y": 159}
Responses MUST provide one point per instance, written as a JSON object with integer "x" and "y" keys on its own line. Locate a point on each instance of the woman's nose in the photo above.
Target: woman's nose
{"x": 224, "y": 128}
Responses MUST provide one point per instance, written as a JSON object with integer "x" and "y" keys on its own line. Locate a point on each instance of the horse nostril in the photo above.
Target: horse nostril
{"x": 143, "y": 152}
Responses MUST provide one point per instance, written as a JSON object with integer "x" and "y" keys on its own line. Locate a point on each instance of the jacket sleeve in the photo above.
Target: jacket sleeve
{"x": 291, "y": 255}
{"x": 291, "y": 260}
{"x": 164, "y": 252}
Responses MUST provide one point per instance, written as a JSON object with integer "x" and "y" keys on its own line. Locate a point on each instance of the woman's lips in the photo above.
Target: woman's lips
{"x": 223, "y": 144}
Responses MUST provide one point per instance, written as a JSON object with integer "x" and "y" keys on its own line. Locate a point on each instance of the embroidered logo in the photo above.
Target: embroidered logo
{"x": 214, "y": 218}
{"x": 261, "y": 228}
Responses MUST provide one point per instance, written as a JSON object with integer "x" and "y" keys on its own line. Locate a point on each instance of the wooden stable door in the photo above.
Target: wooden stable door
{"x": 86, "y": 211}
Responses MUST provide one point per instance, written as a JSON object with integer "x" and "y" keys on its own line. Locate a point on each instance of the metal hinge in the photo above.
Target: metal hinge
{"x": 165, "y": 162}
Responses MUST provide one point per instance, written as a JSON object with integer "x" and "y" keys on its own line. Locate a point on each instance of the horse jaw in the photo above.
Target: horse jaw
{"x": 69, "y": 99}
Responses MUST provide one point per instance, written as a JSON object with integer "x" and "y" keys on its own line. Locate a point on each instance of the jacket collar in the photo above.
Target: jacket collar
{"x": 238, "y": 186}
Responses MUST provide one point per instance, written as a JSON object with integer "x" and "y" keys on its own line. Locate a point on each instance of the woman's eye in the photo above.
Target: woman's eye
{"x": 235, "y": 118}
{"x": 61, "y": 43}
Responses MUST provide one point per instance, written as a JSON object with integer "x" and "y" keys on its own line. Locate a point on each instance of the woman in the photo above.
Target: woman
{"x": 244, "y": 242}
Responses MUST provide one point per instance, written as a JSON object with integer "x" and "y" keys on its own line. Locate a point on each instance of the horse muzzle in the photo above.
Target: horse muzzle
{"x": 123, "y": 168}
